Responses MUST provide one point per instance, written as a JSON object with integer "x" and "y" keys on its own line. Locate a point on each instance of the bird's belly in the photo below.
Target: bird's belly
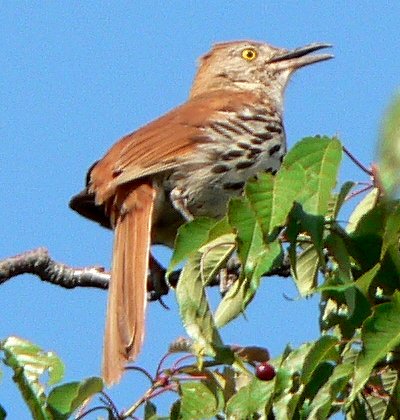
{"x": 206, "y": 190}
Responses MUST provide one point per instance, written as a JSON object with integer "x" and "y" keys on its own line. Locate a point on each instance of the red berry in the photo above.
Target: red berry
{"x": 265, "y": 371}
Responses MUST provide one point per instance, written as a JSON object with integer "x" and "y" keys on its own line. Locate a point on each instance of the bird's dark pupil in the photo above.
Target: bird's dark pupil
{"x": 249, "y": 54}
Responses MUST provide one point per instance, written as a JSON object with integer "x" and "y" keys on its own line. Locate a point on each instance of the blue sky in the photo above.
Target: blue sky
{"x": 76, "y": 76}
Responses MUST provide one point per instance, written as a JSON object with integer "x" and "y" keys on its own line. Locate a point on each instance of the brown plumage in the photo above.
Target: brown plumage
{"x": 185, "y": 164}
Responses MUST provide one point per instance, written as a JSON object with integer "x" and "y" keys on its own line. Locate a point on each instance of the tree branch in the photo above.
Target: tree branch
{"x": 39, "y": 262}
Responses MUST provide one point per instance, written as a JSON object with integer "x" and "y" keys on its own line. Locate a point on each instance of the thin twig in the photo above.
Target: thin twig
{"x": 163, "y": 359}
{"x": 357, "y": 162}
{"x": 358, "y": 192}
{"x": 109, "y": 401}
{"x": 142, "y": 370}
{"x": 191, "y": 378}
{"x": 92, "y": 410}
{"x": 174, "y": 367}
{"x": 153, "y": 391}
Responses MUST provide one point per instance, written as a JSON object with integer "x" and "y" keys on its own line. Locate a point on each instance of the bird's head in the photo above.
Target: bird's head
{"x": 255, "y": 66}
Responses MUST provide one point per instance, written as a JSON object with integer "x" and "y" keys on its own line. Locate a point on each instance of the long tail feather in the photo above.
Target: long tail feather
{"x": 125, "y": 323}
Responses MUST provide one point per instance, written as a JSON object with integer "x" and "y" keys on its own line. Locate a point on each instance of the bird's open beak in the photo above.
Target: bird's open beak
{"x": 294, "y": 59}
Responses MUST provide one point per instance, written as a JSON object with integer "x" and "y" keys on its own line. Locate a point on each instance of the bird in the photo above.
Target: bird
{"x": 185, "y": 164}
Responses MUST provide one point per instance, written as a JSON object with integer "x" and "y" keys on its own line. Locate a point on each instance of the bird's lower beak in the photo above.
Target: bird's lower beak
{"x": 294, "y": 59}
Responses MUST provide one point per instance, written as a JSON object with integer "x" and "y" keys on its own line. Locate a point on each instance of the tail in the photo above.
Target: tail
{"x": 125, "y": 322}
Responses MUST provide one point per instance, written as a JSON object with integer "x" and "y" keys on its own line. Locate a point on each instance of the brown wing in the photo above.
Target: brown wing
{"x": 158, "y": 146}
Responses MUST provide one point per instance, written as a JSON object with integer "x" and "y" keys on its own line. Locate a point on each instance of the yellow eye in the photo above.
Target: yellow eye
{"x": 249, "y": 54}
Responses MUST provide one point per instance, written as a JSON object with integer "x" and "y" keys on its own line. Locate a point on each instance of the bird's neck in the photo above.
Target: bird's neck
{"x": 272, "y": 94}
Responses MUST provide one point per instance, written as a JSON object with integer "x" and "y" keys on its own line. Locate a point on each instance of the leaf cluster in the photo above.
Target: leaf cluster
{"x": 29, "y": 362}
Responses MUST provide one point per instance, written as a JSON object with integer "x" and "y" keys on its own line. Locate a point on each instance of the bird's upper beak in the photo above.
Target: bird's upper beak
{"x": 294, "y": 59}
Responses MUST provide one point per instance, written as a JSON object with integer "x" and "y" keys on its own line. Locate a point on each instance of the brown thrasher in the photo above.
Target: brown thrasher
{"x": 186, "y": 163}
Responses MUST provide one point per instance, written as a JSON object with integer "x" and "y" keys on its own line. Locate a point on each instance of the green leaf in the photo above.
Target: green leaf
{"x": 232, "y": 304}
{"x": 29, "y": 362}
{"x": 295, "y": 359}
{"x": 365, "y": 242}
{"x": 338, "y": 250}
{"x": 175, "y": 411}
{"x": 150, "y": 411}
{"x": 359, "y": 307}
{"x": 319, "y": 377}
{"x": 251, "y": 246}
{"x": 358, "y": 410}
{"x": 391, "y": 233}
{"x": 307, "y": 265}
{"x": 271, "y": 257}
{"x": 339, "y": 199}
{"x": 64, "y": 399}
{"x": 293, "y": 229}
{"x": 349, "y": 316}
{"x": 289, "y": 183}
{"x": 389, "y": 150}
{"x": 191, "y": 236}
{"x": 313, "y": 225}
{"x": 249, "y": 235}
{"x": 322, "y": 403}
{"x": 250, "y": 400}
{"x": 272, "y": 197}
{"x": 193, "y": 305}
{"x": 380, "y": 406}
{"x": 214, "y": 255}
{"x": 242, "y": 291}
{"x": 320, "y": 158}
{"x": 290, "y": 367}
{"x": 209, "y": 248}
{"x": 363, "y": 207}
{"x": 285, "y": 407}
{"x": 288, "y": 390}
{"x": 256, "y": 258}
{"x": 228, "y": 381}
{"x": 197, "y": 401}
{"x": 260, "y": 195}
{"x": 324, "y": 349}
{"x": 3, "y": 413}
{"x": 364, "y": 282}
{"x": 221, "y": 227}
{"x": 380, "y": 335}
{"x": 339, "y": 288}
